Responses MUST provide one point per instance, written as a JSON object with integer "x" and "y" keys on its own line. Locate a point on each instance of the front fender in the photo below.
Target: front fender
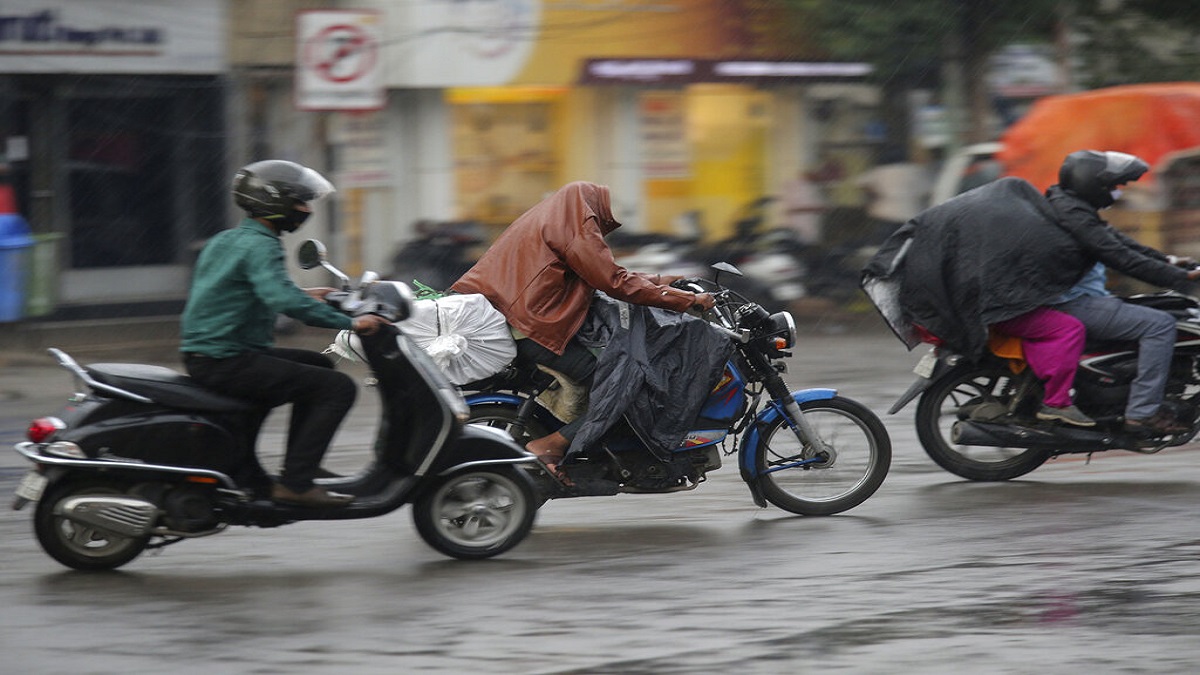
{"x": 480, "y": 445}
{"x": 748, "y": 453}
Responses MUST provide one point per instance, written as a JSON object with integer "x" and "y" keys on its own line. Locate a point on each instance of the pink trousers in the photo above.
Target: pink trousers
{"x": 1053, "y": 343}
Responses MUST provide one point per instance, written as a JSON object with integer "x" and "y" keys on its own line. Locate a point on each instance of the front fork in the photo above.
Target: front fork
{"x": 808, "y": 436}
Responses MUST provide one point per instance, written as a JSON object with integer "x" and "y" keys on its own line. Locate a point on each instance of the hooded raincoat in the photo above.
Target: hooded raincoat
{"x": 541, "y": 272}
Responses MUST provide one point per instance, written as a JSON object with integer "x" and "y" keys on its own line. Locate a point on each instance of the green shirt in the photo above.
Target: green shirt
{"x": 239, "y": 286}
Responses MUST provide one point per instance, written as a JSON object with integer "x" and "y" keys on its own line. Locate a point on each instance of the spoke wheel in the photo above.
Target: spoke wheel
{"x": 504, "y": 417}
{"x": 951, "y": 399}
{"x": 859, "y": 456}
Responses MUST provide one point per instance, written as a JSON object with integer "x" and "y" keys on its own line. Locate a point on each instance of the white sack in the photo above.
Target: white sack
{"x": 463, "y": 334}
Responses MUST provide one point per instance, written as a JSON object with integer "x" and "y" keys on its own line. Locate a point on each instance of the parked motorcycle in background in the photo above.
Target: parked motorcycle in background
{"x": 441, "y": 253}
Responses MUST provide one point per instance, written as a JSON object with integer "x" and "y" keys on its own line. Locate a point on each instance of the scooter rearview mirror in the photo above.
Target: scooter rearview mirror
{"x": 311, "y": 254}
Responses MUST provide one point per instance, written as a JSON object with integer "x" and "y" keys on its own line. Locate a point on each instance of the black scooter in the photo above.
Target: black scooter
{"x": 144, "y": 457}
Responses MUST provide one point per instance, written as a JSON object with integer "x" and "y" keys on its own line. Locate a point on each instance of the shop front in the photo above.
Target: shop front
{"x": 113, "y": 124}
{"x": 686, "y": 109}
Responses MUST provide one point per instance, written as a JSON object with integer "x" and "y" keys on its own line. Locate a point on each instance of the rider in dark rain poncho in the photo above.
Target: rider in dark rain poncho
{"x": 1001, "y": 250}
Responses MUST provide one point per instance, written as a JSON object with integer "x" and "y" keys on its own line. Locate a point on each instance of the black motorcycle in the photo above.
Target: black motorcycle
{"x": 977, "y": 419}
{"x": 143, "y": 457}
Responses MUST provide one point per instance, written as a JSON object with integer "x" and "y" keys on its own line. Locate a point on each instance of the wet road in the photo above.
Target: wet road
{"x": 1079, "y": 567}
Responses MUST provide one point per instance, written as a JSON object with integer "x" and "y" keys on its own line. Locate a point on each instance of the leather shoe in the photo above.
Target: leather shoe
{"x": 1158, "y": 424}
{"x": 316, "y": 496}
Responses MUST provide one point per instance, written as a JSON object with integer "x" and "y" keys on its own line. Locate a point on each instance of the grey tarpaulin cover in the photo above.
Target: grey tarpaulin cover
{"x": 984, "y": 256}
{"x": 656, "y": 369}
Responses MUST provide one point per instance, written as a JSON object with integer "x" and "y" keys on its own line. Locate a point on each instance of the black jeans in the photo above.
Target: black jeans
{"x": 320, "y": 398}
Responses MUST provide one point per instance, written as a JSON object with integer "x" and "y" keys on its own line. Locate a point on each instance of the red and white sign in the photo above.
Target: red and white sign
{"x": 337, "y": 60}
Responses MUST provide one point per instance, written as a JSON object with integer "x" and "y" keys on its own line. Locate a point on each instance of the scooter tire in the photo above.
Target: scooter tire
{"x": 77, "y": 546}
{"x": 475, "y": 514}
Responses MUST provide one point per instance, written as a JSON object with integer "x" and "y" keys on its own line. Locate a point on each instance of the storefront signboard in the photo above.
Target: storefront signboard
{"x": 361, "y": 142}
{"x": 690, "y": 71}
{"x": 664, "y": 135}
{"x": 112, "y": 36}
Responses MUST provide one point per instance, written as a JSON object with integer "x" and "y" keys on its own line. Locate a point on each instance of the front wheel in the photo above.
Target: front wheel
{"x": 80, "y": 546}
{"x": 861, "y": 454}
{"x": 476, "y": 514}
{"x": 952, "y": 398}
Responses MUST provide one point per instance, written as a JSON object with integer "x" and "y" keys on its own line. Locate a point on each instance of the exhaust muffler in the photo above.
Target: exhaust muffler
{"x": 969, "y": 432}
{"x": 124, "y": 516}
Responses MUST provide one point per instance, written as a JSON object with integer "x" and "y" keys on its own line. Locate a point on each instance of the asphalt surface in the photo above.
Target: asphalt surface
{"x": 1078, "y": 567}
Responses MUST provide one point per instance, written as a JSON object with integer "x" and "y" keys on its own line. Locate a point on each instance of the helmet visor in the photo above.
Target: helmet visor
{"x": 310, "y": 187}
{"x": 1120, "y": 167}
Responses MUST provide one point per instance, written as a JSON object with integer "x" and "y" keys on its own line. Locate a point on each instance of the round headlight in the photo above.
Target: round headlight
{"x": 791, "y": 329}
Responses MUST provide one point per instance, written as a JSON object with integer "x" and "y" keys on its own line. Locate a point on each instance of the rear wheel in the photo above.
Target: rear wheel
{"x": 476, "y": 514}
{"x": 80, "y": 546}
{"x": 860, "y": 456}
{"x": 504, "y": 417}
{"x": 952, "y": 398}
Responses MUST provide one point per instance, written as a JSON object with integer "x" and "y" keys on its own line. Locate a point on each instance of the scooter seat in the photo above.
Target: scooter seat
{"x": 165, "y": 386}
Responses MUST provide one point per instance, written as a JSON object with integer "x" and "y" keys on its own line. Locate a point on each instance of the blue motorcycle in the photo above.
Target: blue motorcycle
{"x": 810, "y": 452}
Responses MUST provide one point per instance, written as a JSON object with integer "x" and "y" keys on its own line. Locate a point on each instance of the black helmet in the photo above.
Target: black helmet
{"x": 274, "y": 189}
{"x": 1093, "y": 175}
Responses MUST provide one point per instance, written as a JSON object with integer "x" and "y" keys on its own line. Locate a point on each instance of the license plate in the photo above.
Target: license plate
{"x": 924, "y": 367}
{"x": 32, "y": 486}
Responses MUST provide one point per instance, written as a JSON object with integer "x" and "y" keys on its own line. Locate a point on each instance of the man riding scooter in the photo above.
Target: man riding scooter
{"x": 239, "y": 287}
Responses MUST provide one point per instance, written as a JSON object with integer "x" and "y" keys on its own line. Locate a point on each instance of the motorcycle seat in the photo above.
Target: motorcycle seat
{"x": 165, "y": 386}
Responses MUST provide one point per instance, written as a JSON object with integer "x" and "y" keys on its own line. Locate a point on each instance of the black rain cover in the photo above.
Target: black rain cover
{"x": 984, "y": 256}
{"x": 657, "y": 369}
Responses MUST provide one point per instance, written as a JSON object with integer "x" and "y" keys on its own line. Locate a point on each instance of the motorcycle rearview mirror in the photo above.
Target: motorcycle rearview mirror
{"x": 725, "y": 267}
{"x": 312, "y": 254}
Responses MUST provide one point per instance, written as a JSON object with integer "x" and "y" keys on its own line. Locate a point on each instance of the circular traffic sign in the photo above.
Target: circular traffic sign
{"x": 341, "y": 53}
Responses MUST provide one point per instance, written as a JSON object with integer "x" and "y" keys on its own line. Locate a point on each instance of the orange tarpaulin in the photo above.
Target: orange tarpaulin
{"x": 1147, "y": 120}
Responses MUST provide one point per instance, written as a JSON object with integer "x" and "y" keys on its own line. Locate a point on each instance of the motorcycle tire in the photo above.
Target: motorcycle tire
{"x": 862, "y": 455}
{"x": 78, "y": 546}
{"x": 950, "y": 399}
{"x": 476, "y": 513}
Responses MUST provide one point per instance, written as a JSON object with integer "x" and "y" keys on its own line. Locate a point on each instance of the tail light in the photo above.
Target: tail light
{"x": 927, "y": 337}
{"x": 43, "y": 429}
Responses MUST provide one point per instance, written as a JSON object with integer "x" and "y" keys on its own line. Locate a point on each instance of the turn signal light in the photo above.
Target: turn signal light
{"x": 43, "y": 429}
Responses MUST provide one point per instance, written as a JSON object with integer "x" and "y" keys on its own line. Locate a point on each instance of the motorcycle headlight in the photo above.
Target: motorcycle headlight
{"x": 782, "y": 327}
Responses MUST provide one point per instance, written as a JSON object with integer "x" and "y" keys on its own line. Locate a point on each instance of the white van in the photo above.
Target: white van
{"x": 969, "y": 167}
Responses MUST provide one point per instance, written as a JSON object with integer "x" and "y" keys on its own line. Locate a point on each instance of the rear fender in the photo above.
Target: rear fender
{"x": 943, "y": 364}
{"x": 540, "y": 414}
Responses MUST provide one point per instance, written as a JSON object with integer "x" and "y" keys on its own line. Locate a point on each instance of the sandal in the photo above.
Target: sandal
{"x": 550, "y": 462}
